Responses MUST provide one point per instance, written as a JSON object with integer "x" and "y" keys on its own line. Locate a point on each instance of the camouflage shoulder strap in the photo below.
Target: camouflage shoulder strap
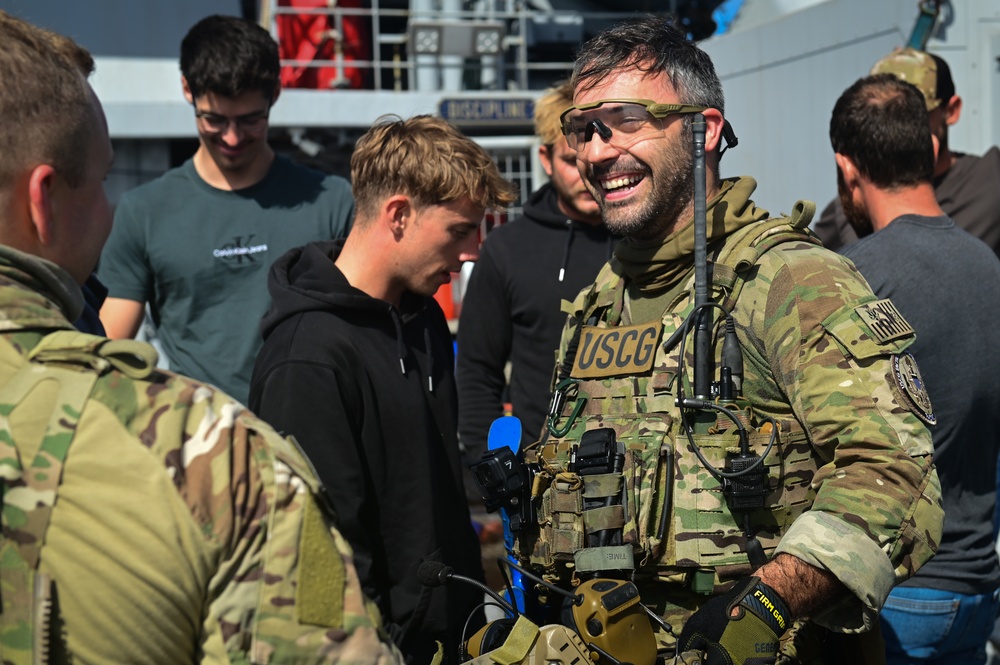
{"x": 41, "y": 400}
{"x": 748, "y": 245}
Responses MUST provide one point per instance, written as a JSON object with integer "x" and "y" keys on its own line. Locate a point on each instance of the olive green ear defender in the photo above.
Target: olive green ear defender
{"x": 610, "y": 618}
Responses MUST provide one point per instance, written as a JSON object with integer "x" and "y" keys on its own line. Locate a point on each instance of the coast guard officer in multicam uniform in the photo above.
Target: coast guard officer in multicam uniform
{"x": 771, "y": 518}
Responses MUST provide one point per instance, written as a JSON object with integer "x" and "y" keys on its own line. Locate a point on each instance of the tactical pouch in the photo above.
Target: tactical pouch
{"x": 574, "y": 511}
{"x": 562, "y": 512}
{"x": 604, "y": 515}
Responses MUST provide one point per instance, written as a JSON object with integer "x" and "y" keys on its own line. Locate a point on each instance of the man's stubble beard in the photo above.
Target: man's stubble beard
{"x": 672, "y": 192}
{"x": 856, "y": 217}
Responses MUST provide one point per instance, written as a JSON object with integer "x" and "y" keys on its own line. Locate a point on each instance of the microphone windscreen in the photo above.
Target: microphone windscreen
{"x": 505, "y": 432}
{"x": 432, "y": 573}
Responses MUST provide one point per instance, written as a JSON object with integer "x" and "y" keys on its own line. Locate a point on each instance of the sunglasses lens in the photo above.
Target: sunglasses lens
{"x": 619, "y": 123}
{"x": 575, "y": 129}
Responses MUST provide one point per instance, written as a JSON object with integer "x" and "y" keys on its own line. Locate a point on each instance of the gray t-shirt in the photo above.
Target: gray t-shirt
{"x": 946, "y": 283}
{"x": 968, "y": 192}
{"x": 200, "y": 257}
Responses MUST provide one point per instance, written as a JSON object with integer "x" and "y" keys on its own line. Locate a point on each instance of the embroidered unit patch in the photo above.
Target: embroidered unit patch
{"x": 911, "y": 384}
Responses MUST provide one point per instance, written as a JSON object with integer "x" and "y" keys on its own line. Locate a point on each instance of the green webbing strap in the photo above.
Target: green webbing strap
{"x": 603, "y": 518}
{"x": 602, "y": 485}
{"x": 610, "y": 557}
{"x": 748, "y": 245}
{"x": 517, "y": 645}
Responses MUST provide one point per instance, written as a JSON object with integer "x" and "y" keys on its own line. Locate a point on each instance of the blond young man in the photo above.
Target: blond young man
{"x": 357, "y": 365}
{"x": 511, "y": 310}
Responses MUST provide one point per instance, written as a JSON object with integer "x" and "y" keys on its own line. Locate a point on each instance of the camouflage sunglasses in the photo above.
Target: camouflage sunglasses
{"x": 628, "y": 120}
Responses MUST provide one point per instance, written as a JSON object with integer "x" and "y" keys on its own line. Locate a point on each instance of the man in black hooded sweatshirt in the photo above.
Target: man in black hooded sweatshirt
{"x": 357, "y": 365}
{"x": 511, "y": 309}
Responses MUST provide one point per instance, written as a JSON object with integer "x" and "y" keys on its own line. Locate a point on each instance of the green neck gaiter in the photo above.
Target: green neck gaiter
{"x": 654, "y": 266}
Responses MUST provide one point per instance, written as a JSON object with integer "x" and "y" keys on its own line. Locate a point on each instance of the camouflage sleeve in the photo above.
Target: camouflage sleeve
{"x": 284, "y": 588}
{"x": 877, "y": 515}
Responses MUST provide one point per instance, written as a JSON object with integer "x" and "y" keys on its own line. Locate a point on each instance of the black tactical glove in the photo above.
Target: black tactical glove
{"x": 750, "y": 637}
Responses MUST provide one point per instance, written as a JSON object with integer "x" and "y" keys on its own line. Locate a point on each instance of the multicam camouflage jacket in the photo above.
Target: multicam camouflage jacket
{"x": 148, "y": 518}
{"x": 850, "y": 485}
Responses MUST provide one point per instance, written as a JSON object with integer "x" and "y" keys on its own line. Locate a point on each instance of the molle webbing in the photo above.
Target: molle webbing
{"x": 626, "y": 404}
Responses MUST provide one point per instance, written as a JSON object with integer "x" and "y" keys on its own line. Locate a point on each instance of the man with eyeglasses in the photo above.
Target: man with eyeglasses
{"x": 196, "y": 243}
{"x": 774, "y": 512}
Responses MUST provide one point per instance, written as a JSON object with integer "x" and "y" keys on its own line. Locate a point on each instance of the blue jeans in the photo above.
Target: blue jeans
{"x": 922, "y": 625}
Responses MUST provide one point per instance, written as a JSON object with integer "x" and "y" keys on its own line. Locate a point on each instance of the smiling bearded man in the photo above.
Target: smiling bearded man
{"x": 829, "y": 498}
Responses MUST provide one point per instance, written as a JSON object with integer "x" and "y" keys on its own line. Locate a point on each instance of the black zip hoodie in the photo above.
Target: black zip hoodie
{"x": 368, "y": 391}
{"x": 511, "y": 312}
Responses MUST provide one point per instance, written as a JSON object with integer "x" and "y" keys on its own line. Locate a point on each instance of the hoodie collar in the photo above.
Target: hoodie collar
{"x": 307, "y": 279}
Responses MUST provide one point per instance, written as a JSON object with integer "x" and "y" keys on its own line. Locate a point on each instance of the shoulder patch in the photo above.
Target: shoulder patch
{"x": 319, "y": 593}
{"x": 911, "y": 386}
{"x": 883, "y": 320}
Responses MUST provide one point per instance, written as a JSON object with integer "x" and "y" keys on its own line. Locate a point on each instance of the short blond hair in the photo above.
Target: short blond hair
{"x": 427, "y": 159}
{"x": 548, "y": 109}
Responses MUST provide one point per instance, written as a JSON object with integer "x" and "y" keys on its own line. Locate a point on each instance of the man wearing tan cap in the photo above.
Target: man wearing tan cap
{"x": 965, "y": 185}
{"x": 939, "y": 278}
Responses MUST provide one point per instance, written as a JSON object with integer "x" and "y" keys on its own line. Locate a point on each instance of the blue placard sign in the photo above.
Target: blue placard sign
{"x": 488, "y": 111}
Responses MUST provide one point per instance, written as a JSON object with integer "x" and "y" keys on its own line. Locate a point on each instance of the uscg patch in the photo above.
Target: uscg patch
{"x": 884, "y": 321}
{"x": 911, "y": 385}
{"x": 619, "y": 351}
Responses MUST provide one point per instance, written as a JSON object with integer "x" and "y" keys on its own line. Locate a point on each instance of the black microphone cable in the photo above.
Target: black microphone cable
{"x": 435, "y": 573}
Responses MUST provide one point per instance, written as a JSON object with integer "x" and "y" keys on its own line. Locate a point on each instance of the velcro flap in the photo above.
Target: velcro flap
{"x": 319, "y": 593}
{"x": 518, "y": 644}
{"x": 605, "y": 517}
{"x": 566, "y": 501}
{"x": 602, "y": 485}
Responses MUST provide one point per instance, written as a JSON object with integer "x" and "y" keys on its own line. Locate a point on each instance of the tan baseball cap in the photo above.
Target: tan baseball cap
{"x": 914, "y": 67}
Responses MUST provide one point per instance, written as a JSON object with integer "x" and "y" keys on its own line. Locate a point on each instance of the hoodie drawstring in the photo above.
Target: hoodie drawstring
{"x": 401, "y": 348}
{"x": 430, "y": 360}
{"x": 569, "y": 241}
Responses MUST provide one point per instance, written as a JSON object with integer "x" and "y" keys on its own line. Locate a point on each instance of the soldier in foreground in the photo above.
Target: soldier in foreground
{"x": 814, "y": 379}
{"x": 147, "y": 518}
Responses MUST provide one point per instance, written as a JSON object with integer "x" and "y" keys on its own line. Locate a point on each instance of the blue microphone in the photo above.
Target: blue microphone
{"x": 505, "y": 432}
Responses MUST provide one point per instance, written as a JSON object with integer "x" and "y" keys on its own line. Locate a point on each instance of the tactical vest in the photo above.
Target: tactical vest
{"x": 42, "y": 397}
{"x": 652, "y": 509}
